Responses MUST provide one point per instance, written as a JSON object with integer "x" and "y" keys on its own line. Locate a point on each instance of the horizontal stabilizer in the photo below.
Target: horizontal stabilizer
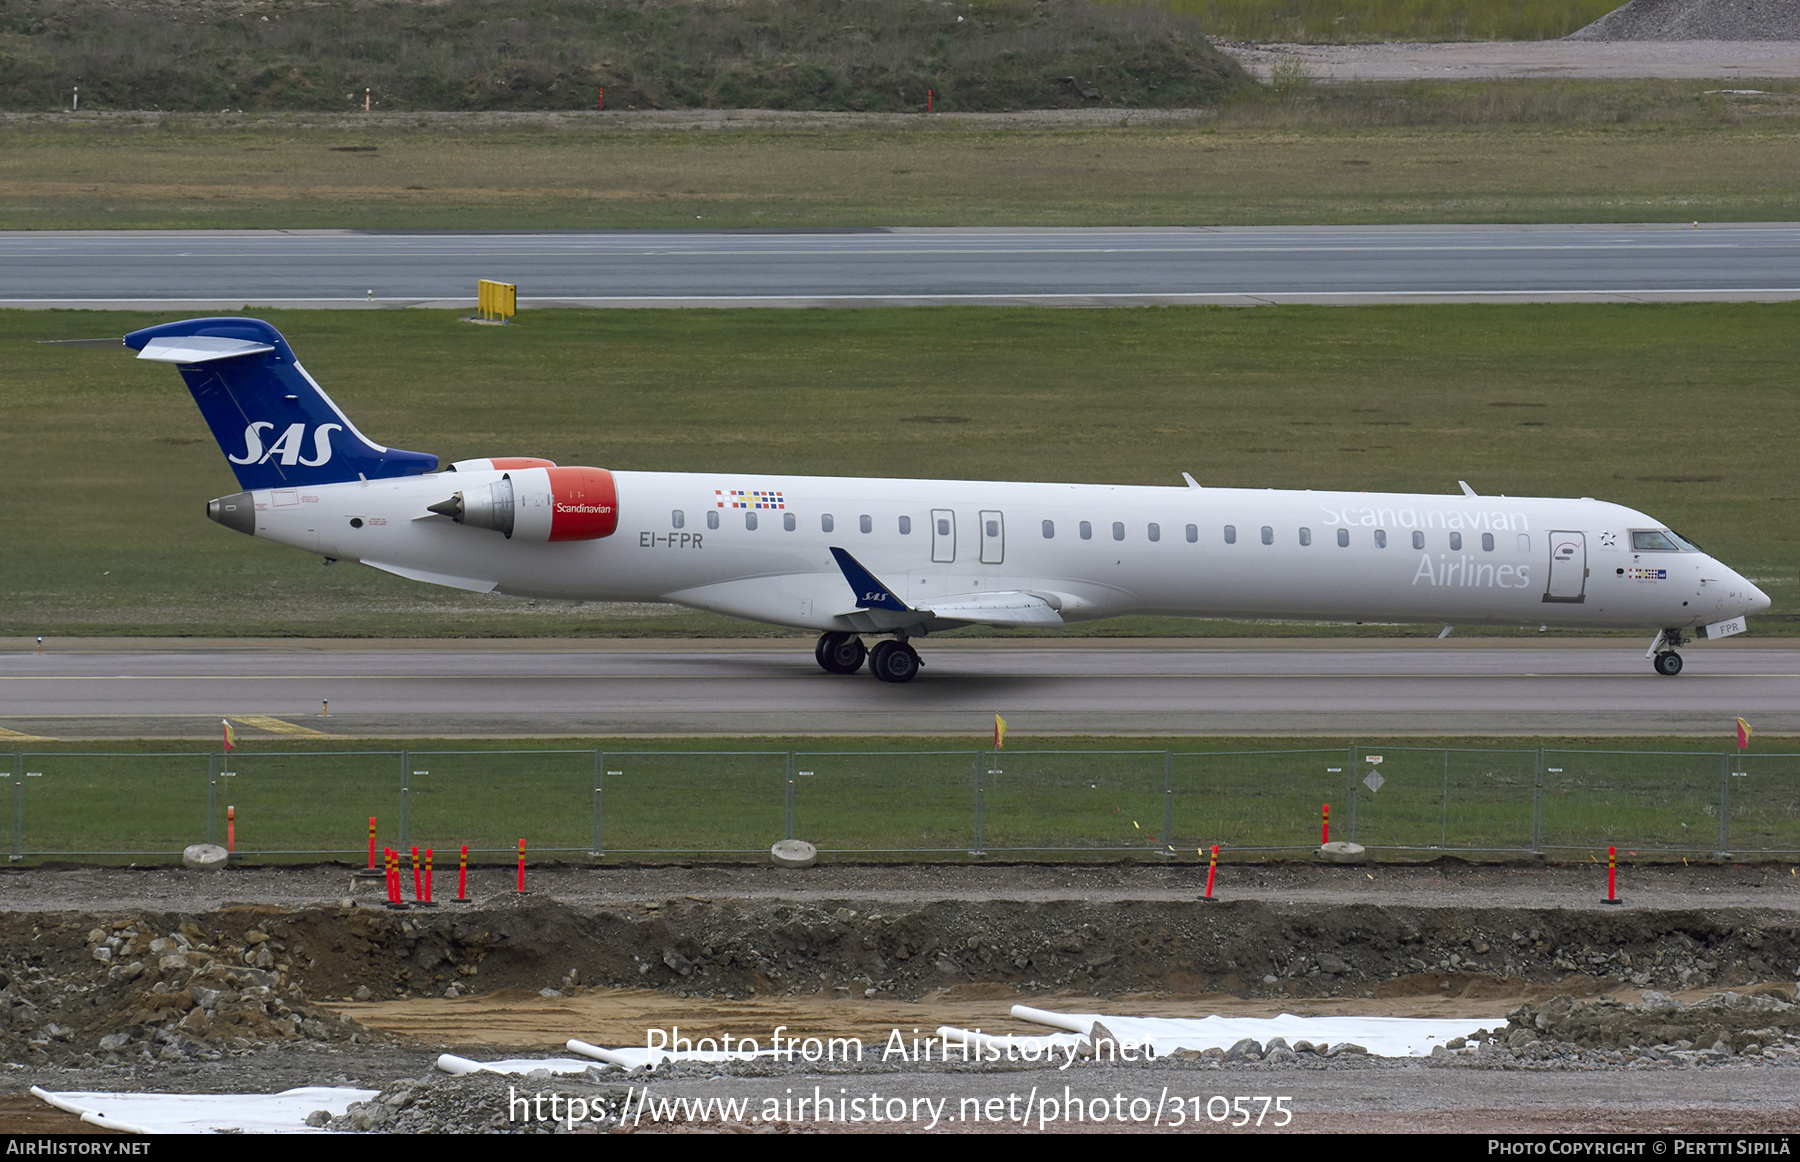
{"x": 445, "y": 579}
{"x": 200, "y": 349}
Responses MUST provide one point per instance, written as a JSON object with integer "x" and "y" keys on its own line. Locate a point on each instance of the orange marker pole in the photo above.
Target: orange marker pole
{"x": 366, "y": 93}
{"x": 230, "y": 829}
{"x": 1612, "y": 872}
{"x": 417, "y": 897}
{"x": 462, "y": 876}
{"x": 428, "y": 875}
{"x": 600, "y": 105}
{"x": 521, "y": 867}
{"x": 371, "y": 843}
{"x": 1325, "y": 827}
{"x": 1212, "y": 869}
{"x": 927, "y": 100}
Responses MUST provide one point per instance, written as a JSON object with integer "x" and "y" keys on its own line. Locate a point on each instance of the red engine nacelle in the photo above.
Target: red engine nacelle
{"x": 540, "y": 504}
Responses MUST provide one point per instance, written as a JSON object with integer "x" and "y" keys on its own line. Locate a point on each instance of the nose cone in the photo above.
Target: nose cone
{"x": 237, "y": 511}
{"x": 1759, "y": 601}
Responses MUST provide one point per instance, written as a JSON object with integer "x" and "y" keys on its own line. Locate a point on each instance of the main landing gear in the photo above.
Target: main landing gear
{"x": 843, "y": 653}
{"x": 1662, "y": 653}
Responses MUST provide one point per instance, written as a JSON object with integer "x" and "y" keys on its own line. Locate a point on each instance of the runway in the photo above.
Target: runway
{"x": 227, "y": 270}
{"x": 774, "y": 688}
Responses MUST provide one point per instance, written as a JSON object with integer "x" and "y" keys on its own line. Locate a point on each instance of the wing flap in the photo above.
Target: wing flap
{"x": 1016, "y": 609}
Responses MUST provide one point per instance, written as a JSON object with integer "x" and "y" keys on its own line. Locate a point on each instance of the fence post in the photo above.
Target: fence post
{"x": 1350, "y": 789}
{"x": 1168, "y": 827}
{"x": 599, "y": 787}
{"x": 788, "y": 812}
{"x": 980, "y": 800}
{"x": 405, "y": 789}
{"x": 1537, "y": 806}
{"x": 1724, "y": 804}
{"x": 18, "y": 811}
{"x": 212, "y": 795}
{"x": 1444, "y": 830}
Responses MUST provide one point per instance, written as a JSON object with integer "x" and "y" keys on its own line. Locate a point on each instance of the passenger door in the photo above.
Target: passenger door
{"x": 993, "y": 538}
{"x": 1568, "y": 568}
{"x": 943, "y": 535}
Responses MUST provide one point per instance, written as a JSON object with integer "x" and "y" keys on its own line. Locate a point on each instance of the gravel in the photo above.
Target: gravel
{"x": 1697, "y": 20}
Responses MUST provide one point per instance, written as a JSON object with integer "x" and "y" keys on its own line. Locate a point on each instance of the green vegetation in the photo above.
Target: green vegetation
{"x": 880, "y": 798}
{"x": 1683, "y": 411}
{"x": 1374, "y": 21}
{"x": 1513, "y": 151}
{"x": 879, "y": 55}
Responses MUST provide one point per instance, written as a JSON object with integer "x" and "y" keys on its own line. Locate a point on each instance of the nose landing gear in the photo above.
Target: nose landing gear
{"x": 1662, "y": 653}
{"x": 840, "y": 653}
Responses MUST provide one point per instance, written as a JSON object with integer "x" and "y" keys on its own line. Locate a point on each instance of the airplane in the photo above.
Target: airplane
{"x": 896, "y": 560}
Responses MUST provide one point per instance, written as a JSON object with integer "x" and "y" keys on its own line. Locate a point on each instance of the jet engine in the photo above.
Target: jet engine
{"x": 540, "y": 504}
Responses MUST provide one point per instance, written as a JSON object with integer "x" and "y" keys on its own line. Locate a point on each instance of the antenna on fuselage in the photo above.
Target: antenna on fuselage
{"x": 1467, "y": 491}
{"x": 1192, "y": 483}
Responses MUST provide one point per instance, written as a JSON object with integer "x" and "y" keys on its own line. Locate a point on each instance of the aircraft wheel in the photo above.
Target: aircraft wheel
{"x": 840, "y": 653}
{"x": 1668, "y": 663}
{"x": 893, "y": 661}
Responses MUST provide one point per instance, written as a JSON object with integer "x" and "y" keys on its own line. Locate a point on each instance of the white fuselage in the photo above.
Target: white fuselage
{"x": 1327, "y": 556}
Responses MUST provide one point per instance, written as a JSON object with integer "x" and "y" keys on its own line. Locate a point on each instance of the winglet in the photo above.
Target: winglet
{"x": 1467, "y": 491}
{"x": 870, "y": 592}
{"x": 1192, "y": 483}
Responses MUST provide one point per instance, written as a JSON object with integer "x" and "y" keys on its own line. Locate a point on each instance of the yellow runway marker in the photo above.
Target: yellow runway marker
{"x": 277, "y": 726}
{"x": 15, "y": 736}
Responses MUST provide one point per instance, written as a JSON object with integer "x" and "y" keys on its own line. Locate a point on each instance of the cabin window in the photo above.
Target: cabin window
{"x": 1343, "y": 538}
{"x": 1381, "y": 538}
{"x": 712, "y": 518}
{"x": 826, "y": 524}
{"x": 750, "y": 520}
{"x": 788, "y": 521}
{"x": 1456, "y": 542}
{"x": 1231, "y": 534}
{"x": 993, "y": 528}
{"x": 1418, "y": 539}
{"x": 1268, "y": 535}
{"x": 1305, "y": 537}
{"x": 1118, "y": 530}
{"x": 866, "y": 523}
{"x": 1487, "y": 542}
{"x": 1049, "y": 529}
{"x": 677, "y": 519}
{"x": 906, "y": 526}
{"x": 1154, "y": 532}
{"x": 1524, "y": 542}
{"x": 1087, "y": 531}
{"x": 1193, "y": 534}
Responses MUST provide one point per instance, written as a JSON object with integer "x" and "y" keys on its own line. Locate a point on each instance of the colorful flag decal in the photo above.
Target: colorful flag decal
{"x": 748, "y": 498}
{"x": 1743, "y": 734}
{"x": 230, "y": 734}
{"x": 999, "y": 732}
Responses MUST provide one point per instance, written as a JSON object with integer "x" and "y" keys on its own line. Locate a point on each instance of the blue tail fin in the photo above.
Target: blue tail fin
{"x": 276, "y": 426}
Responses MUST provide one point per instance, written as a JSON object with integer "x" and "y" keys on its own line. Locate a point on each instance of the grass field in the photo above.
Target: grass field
{"x": 1374, "y": 21}
{"x": 1516, "y": 151}
{"x": 917, "y": 798}
{"x": 1683, "y": 411}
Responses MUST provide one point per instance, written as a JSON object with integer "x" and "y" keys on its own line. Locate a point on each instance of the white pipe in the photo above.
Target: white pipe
{"x": 1082, "y": 1025}
{"x": 450, "y": 1063}
{"x": 610, "y": 1056}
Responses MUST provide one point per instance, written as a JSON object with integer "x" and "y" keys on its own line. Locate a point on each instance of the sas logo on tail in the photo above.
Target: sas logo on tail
{"x": 288, "y": 447}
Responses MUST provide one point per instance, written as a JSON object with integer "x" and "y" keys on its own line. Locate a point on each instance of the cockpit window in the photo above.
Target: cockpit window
{"x": 1654, "y": 542}
{"x": 1686, "y": 544}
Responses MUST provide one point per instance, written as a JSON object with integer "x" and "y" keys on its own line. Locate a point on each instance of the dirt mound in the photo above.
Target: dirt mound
{"x": 158, "y": 987}
{"x": 1697, "y": 20}
{"x": 1732, "y": 1023}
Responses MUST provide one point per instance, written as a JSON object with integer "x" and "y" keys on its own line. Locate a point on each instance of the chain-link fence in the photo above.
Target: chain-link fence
{"x": 1168, "y": 803}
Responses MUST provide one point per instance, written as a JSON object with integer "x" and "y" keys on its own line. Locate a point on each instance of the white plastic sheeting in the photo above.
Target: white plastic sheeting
{"x": 205, "y": 1113}
{"x": 1381, "y": 1036}
{"x": 451, "y": 1063}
